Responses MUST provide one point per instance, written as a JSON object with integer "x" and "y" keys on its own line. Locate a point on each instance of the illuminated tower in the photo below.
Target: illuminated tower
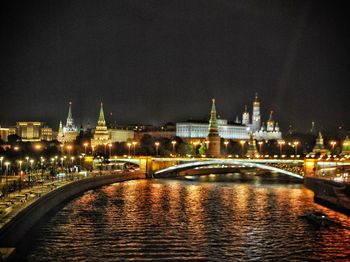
{"x": 245, "y": 117}
{"x": 69, "y": 132}
{"x": 101, "y": 135}
{"x": 256, "y": 119}
{"x": 213, "y": 136}
{"x": 252, "y": 151}
{"x": 319, "y": 146}
{"x": 270, "y": 123}
{"x": 70, "y": 122}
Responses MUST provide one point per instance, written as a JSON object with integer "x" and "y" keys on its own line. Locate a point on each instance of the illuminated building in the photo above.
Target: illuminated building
{"x": 4, "y": 133}
{"x": 33, "y": 131}
{"x": 101, "y": 135}
{"x": 252, "y": 151}
{"x": 69, "y": 132}
{"x": 319, "y": 146}
{"x": 120, "y": 135}
{"x": 346, "y": 146}
{"x": 235, "y": 131}
{"x": 213, "y": 135}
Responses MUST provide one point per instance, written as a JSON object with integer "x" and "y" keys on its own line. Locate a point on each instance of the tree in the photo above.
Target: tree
{"x": 203, "y": 149}
{"x": 13, "y": 139}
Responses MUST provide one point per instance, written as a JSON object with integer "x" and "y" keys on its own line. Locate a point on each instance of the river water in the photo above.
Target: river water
{"x": 195, "y": 220}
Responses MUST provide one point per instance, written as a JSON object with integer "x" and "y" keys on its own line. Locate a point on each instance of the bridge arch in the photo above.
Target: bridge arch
{"x": 191, "y": 165}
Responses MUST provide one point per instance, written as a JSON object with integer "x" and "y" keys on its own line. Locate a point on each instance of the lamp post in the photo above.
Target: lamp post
{"x": 129, "y": 145}
{"x": 157, "y": 145}
{"x": 69, "y": 148}
{"x": 296, "y": 143}
{"x": 242, "y": 142}
{"x": 226, "y": 144}
{"x": 110, "y": 150}
{"x": 260, "y": 146}
{"x": 20, "y": 166}
{"x": 105, "y": 147}
{"x": 281, "y": 144}
{"x": 7, "y": 164}
{"x": 85, "y": 146}
{"x": 333, "y": 143}
{"x": 1, "y": 159}
{"x": 134, "y": 143}
{"x": 173, "y": 143}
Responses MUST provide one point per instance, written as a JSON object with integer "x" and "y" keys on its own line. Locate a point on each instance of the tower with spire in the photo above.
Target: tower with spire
{"x": 256, "y": 118}
{"x": 213, "y": 135}
{"x": 69, "y": 132}
{"x": 270, "y": 123}
{"x": 245, "y": 117}
{"x": 101, "y": 135}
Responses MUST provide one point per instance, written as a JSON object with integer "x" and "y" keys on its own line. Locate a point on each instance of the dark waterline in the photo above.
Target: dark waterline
{"x": 193, "y": 219}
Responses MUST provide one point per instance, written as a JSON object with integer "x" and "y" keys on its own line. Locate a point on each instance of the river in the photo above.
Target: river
{"x": 194, "y": 220}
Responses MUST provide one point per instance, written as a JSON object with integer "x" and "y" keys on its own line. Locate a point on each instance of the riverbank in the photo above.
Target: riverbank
{"x": 334, "y": 195}
{"x": 20, "y": 220}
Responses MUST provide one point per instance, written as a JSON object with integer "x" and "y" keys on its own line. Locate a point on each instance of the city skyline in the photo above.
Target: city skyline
{"x": 154, "y": 63}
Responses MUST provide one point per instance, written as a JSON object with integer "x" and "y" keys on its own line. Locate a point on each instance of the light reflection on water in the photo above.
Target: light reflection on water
{"x": 190, "y": 220}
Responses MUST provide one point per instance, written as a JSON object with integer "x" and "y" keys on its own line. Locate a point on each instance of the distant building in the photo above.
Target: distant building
{"x": 101, "y": 134}
{"x": 346, "y": 146}
{"x": 33, "y": 131}
{"x": 120, "y": 135}
{"x": 69, "y": 132}
{"x": 319, "y": 146}
{"x": 4, "y": 133}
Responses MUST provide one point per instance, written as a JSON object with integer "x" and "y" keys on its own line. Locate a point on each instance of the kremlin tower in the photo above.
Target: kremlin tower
{"x": 213, "y": 136}
{"x": 101, "y": 135}
{"x": 69, "y": 132}
{"x": 256, "y": 119}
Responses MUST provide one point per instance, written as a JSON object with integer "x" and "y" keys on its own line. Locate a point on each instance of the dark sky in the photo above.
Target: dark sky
{"x": 158, "y": 61}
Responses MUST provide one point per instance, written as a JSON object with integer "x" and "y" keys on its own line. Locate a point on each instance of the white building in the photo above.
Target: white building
{"x": 234, "y": 131}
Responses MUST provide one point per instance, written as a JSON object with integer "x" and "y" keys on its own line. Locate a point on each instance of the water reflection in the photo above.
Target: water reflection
{"x": 191, "y": 219}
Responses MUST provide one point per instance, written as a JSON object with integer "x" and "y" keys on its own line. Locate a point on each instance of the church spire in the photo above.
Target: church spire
{"x": 70, "y": 121}
{"x": 101, "y": 118}
{"x": 213, "y": 123}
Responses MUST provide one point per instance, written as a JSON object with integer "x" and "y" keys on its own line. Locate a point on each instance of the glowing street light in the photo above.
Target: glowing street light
{"x": 157, "y": 145}
{"x": 226, "y": 144}
{"x": 129, "y": 145}
{"x": 1, "y": 159}
{"x": 7, "y": 164}
{"x": 296, "y": 143}
{"x": 260, "y": 143}
{"x": 110, "y": 150}
{"x": 281, "y": 143}
{"x": 20, "y": 165}
{"x": 333, "y": 143}
{"x": 85, "y": 146}
{"x": 134, "y": 143}
{"x": 173, "y": 143}
{"x": 242, "y": 142}
{"x": 69, "y": 148}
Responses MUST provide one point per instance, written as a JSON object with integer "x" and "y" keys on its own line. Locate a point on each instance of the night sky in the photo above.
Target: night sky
{"x": 159, "y": 61}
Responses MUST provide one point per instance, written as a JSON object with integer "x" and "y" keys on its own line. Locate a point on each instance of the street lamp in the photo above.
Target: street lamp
{"x": 226, "y": 144}
{"x": 157, "y": 145}
{"x": 296, "y": 143}
{"x": 260, "y": 146}
{"x": 242, "y": 142}
{"x": 85, "y": 146}
{"x": 7, "y": 163}
{"x": 110, "y": 150}
{"x": 173, "y": 143}
{"x": 134, "y": 143}
{"x": 69, "y": 148}
{"x": 105, "y": 145}
{"x": 333, "y": 143}
{"x": 129, "y": 145}
{"x": 20, "y": 166}
{"x": 1, "y": 159}
{"x": 281, "y": 144}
